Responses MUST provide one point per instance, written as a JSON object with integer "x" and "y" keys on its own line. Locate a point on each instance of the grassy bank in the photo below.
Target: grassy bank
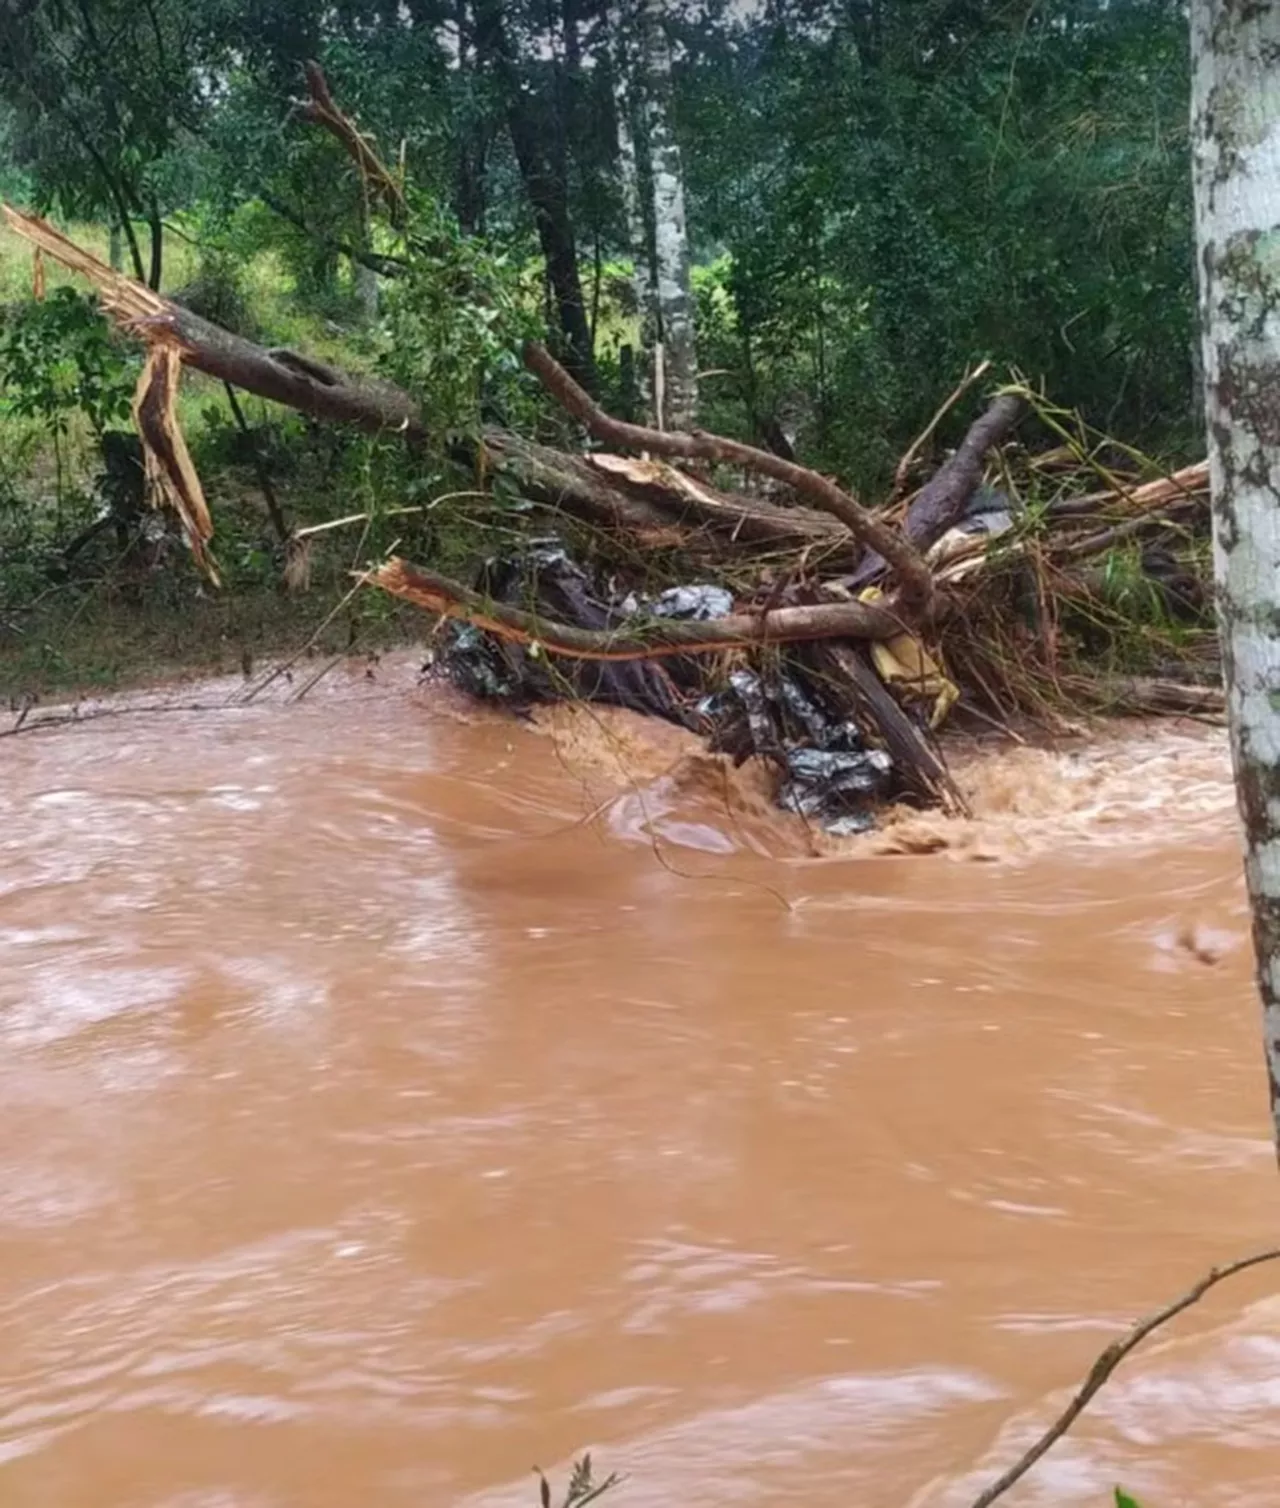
{"x": 102, "y": 617}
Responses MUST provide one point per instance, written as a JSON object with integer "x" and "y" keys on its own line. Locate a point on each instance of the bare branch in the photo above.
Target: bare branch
{"x": 1108, "y": 1361}
{"x": 647, "y": 640}
{"x": 913, "y": 574}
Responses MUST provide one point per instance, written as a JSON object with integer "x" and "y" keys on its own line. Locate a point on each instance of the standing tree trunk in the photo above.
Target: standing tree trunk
{"x": 643, "y": 283}
{"x": 364, "y": 278}
{"x": 1236, "y": 149}
{"x": 155, "y": 224}
{"x": 544, "y": 173}
{"x": 676, "y": 366}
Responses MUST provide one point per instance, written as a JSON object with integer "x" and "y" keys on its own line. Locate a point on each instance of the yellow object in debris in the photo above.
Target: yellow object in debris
{"x": 904, "y": 662}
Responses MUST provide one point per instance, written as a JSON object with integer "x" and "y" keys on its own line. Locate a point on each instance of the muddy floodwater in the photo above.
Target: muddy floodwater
{"x": 393, "y": 1098}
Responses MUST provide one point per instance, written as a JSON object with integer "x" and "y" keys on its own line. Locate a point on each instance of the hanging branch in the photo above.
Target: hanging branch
{"x": 1107, "y": 1362}
{"x": 321, "y": 110}
{"x": 648, "y": 640}
{"x": 913, "y": 574}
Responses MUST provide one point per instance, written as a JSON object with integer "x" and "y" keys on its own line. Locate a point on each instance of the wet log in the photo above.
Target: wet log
{"x": 848, "y": 674}
{"x": 642, "y": 638}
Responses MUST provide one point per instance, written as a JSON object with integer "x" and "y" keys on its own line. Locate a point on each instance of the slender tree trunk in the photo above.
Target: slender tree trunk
{"x": 676, "y": 368}
{"x": 366, "y": 279}
{"x": 156, "y": 226}
{"x": 115, "y": 247}
{"x": 642, "y": 277}
{"x": 473, "y": 132}
{"x": 366, "y": 287}
{"x": 542, "y": 171}
{"x": 1236, "y": 153}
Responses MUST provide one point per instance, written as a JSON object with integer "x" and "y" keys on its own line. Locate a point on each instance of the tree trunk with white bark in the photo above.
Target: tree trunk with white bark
{"x": 1236, "y": 147}
{"x": 676, "y": 363}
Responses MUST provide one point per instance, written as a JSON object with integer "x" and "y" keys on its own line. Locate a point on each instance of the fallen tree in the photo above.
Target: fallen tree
{"x": 955, "y": 570}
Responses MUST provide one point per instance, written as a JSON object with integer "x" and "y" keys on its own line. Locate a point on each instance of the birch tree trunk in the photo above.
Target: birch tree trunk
{"x": 676, "y": 356}
{"x": 1236, "y": 169}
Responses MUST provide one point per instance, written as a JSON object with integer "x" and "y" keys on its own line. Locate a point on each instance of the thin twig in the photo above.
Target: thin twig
{"x": 253, "y": 692}
{"x": 360, "y": 518}
{"x": 1107, "y": 1362}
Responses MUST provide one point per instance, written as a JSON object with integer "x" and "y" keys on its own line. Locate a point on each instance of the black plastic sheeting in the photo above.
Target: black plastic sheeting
{"x": 828, "y": 775}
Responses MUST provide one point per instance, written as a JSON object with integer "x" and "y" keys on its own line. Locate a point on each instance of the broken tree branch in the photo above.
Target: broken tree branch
{"x": 942, "y": 501}
{"x": 281, "y": 376}
{"x": 171, "y": 477}
{"x": 746, "y": 519}
{"x": 1107, "y": 1362}
{"x": 913, "y": 574}
{"x": 321, "y": 110}
{"x": 646, "y": 639}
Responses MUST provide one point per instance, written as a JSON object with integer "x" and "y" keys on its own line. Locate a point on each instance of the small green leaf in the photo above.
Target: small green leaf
{"x": 1123, "y": 1499}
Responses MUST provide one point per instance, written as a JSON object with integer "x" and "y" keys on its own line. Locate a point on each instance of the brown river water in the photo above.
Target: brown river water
{"x": 393, "y": 1097}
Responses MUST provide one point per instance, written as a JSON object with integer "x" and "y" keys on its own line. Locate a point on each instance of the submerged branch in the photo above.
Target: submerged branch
{"x": 647, "y": 639}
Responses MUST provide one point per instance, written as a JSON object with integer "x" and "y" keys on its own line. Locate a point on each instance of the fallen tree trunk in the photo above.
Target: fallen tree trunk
{"x": 606, "y": 491}
{"x": 282, "y": 376}
{"x": 646, "y": 639}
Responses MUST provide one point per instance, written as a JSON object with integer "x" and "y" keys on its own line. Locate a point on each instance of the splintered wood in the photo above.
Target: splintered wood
{"x": 172, "y": 480}
{"x": 171, "y": 476}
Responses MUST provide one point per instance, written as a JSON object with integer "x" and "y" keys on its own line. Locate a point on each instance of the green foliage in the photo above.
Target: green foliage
{"x": 58, "y": 357}
{"x": 949, "y": 185}
{"x": 456, "y": 321}
{"x": 1123, "y": 1499}
{"x": 217, "y": 292}
{"x": 582, "y": 1488}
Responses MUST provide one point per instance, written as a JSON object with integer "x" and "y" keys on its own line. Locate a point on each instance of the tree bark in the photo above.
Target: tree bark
{"x": 643, "y": 640}
{"x": 1236, "y": 170}
{"x": 155, "y": 225}
{"x": 676, "y": 366}
{"x": 545, "y": 178}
